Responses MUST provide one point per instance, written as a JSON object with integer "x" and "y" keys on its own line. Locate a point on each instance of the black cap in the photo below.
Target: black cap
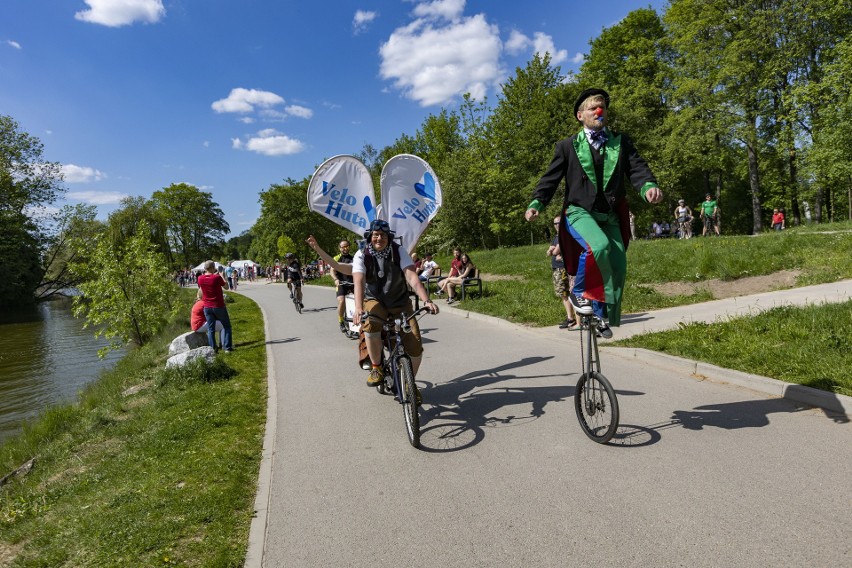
{"x": 590, "y": 93}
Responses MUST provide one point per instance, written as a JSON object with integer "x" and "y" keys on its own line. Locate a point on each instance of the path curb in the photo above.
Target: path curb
{"x": 796, "y": 393}
{"x": 705, "y": 371}
{"x": 257, "y": 530}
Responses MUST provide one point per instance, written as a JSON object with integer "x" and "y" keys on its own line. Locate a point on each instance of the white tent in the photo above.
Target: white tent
{"x": 200, "y": 267}
{"x": 243, "y": 263}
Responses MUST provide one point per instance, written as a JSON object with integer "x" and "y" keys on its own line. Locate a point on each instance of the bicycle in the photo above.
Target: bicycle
{"x": 296, "y": 295}
{"x": 594, "y": 397}
{"x": 398, "y": 372}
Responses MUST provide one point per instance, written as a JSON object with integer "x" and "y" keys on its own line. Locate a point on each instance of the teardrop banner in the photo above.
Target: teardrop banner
{"x": 342, "y": 190}
{"x": 411, "y": 196}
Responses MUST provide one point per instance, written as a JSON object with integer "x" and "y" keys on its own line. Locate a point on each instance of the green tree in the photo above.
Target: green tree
{"x": 28, "y": 183}
{"x": 196, "y": 224}
{"x": 75, "y": 224}
{"x": 124, "y": 289}
{"x": 284, "y": 212}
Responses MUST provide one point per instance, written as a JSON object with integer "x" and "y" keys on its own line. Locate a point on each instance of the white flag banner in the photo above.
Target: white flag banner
{"x": 342, "y": 190}
{"x": 411, "y": 196}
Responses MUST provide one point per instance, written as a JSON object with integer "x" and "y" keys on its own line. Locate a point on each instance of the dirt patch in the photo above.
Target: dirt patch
{"x": 494, "y": 277}
{"x": 721, "y": 289}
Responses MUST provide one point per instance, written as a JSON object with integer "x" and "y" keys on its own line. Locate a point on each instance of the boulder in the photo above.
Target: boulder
{"x": 207, "y": 353}
{"x": 187, "y": 342}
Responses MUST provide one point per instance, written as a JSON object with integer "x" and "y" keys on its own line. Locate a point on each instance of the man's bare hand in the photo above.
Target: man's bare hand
{"x": 654, "y": 195}
{"x": 531, "y": 215}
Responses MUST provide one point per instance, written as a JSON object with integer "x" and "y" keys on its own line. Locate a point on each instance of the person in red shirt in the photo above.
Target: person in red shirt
{"x": 212, "y": 283}
{"x": 778, "y": 220}
{"x": 197, "y": 321}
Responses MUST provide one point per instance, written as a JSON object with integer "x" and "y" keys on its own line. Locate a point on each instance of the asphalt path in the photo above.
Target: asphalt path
{"x": 699, "y": 474}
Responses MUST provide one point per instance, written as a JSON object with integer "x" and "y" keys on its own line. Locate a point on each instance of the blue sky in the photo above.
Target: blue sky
{"x": 234, "y": 95}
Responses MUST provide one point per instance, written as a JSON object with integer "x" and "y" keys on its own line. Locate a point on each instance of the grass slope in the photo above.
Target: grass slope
{"x": 164, "y": 476}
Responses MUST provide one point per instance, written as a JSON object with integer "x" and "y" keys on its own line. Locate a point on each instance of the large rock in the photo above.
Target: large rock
{"x": 187, "y": 342}
{"x": 207, "y": 353}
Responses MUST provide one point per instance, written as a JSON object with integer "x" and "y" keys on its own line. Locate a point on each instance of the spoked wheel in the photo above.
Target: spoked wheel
{"x": 298, "y": 304}
{"x": 408, "y": 397}
{"x": 596, "y": 406}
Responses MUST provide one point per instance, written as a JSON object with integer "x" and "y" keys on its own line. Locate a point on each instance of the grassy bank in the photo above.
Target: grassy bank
{"x": 809, "y": 346}
{"x": 150, "y": 468}
{"x": 524, "y": 294}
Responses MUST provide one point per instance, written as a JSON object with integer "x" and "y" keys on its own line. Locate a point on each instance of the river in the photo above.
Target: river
{"x": 46, "y": 357}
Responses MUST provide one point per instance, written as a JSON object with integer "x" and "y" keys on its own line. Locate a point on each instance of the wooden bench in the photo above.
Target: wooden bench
{"x": 434, "y": 278}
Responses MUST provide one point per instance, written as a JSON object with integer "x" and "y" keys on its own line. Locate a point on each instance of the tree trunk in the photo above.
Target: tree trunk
{"x": 818, "y": 205}
{"x": 754, "y": 182}
{"x": 794, "y": 188}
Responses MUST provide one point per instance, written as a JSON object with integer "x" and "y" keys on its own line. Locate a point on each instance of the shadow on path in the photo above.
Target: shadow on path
{"x": 455, "y": 413}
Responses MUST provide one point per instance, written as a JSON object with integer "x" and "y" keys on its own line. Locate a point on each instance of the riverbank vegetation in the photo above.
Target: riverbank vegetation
{"x": 151, "y": 467}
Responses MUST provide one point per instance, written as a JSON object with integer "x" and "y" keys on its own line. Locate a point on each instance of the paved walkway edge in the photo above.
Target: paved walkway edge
{"x": 257, "y": 531}
{"x": 773, "y": 387}
{"x": 797, "y": 393}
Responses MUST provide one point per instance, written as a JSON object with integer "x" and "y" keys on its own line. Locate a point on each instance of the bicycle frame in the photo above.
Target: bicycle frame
{"x": 392, "y": 347}
{"x": 591, "y": 360}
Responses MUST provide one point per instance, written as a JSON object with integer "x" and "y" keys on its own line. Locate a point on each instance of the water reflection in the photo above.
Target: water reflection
{"x": 45, "y": 357}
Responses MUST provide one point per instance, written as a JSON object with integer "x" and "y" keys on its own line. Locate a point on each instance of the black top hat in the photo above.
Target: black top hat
{"x": 590, "y": 93}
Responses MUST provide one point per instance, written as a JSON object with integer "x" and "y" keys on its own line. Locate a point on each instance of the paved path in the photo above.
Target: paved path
{"x": 700, "y": 474}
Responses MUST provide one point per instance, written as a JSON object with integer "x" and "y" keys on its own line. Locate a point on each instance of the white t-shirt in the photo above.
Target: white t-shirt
{"x": 428, "y": 267}
{"x": 358, "y": 261}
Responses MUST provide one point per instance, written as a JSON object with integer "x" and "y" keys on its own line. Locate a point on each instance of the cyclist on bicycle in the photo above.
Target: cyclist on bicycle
{"x": 294, "y": 278}
{"x": 344, "y": 283}
{"x": 382, "y": 272}
{"x": 683, "y": 214}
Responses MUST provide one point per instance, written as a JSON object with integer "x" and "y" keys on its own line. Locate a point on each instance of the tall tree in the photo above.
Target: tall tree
{"x": 125, "y": 289}
{"x": 75, "y": 224}
{"x": 28, "y": 184}
{"x": 196, "y": 224}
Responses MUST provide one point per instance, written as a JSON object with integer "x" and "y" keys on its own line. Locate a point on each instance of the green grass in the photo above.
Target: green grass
{"x": 810, "y": 346}
{"x": 162, "y": 477}
{"x": 529, "y": 298}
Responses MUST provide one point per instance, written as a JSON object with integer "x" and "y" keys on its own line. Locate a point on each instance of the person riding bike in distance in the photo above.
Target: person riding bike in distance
{"x": 294, "y": 277}
{"x": 343, "y": 282}
{"x": 382, "y": 272}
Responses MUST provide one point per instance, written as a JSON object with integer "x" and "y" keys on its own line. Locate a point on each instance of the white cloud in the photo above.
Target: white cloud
{"x": 543, "y": 43}
{"x": 362, "y": 19}
{"x": 81, "y": 174}
{"x": 578, "y": 58}
{"x": 13, "y": 43}
{"x": 245, "y": 100}
{"x": 97, "y": 197}
{"x": 300, "y": 111}
{"x": 117, "y": 13}
{"x": 432, "y": 65}
{"x": 448, "y": 9}
{"x": 247, "y": 120}
{"x": 269, "y": 142}
{"x": 517, "y": 42}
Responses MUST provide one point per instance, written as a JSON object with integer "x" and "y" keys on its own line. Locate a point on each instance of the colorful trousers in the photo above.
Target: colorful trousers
{"x": 602, "y": 269}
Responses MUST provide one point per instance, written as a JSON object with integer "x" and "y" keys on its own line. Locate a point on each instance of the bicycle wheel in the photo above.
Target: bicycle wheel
{"x": 596, "y": 406}
{"x": 408, "y": 397}
{"x": 297, "y": 303}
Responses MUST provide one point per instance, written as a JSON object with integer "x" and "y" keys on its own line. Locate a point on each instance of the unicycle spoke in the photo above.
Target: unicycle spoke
{"x": 597, "y": 407}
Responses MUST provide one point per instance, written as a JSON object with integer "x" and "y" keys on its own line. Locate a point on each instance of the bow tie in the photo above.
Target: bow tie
{"x": 599, "y": 136}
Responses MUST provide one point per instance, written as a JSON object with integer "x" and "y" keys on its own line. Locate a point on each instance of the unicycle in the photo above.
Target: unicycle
{"x": 594, "y": 398}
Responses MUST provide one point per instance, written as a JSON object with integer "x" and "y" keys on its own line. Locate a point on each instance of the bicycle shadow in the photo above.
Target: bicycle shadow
{"x": 456, "y": 413}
